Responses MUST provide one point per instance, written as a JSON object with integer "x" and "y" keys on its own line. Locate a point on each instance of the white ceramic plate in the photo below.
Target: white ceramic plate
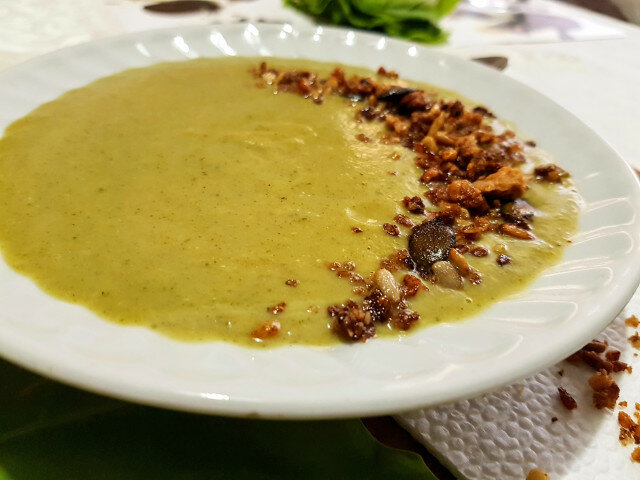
{"x": 562, "y": 310}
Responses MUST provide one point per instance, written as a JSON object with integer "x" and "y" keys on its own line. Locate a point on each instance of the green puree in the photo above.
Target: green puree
{"x": 181, "y": 197}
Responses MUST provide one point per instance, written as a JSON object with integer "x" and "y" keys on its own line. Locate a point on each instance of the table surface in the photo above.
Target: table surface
{"x": 603, "y": 70}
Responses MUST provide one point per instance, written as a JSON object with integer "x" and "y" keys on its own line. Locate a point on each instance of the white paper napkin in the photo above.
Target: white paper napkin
{"x": 505, "y": 434}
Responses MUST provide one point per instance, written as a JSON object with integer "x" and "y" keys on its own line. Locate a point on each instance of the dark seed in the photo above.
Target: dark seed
{"x": 395, "y": 94}
{"x": 430, "y": 242}
{"x": 517, "y": 211}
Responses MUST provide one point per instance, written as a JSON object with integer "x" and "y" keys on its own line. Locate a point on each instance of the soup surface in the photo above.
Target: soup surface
{"x": 181, "y": 197}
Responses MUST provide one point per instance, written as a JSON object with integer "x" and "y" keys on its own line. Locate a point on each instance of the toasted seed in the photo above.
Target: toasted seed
{"x": 513, "y": 231}
{"x": 446, "y": 275}
{"x": 387, "y": 284}
{"x": 458, "y": 261}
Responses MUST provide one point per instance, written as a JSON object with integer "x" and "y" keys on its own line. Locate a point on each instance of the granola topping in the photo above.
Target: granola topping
{"x": 471, "y": 170}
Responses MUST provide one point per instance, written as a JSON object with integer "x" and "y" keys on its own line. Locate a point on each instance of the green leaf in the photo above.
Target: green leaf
{"x": 51, "y": 432}
{"x": 412, "y": 19}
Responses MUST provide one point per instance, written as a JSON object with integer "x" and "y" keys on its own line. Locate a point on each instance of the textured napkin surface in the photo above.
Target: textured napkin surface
{"x": 505, "y": 434}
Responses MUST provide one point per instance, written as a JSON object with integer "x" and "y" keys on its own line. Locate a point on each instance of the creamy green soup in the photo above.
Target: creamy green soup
{"x": 181, "y": 197}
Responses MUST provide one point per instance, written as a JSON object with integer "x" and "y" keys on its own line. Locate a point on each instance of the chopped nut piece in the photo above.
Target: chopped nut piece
{"x": 397, "y": 260}
{"x": 466, "y": 194}
{"x": 414, "y": 204}
{"x": 276, "y": 309}
{"x": 266, "y": 330}
{"x": 508, "y": 182}
{"x": 391, "y": 229}
{"x": 567, "y": 400}
{"x": 412, "y": 285}
{"x": 479, "y": 252}
{"x": 405, "y": 319}
{"x": 413, "y": 101}
{"x": 550, "y": 173}
{"x": 403, "y": 220}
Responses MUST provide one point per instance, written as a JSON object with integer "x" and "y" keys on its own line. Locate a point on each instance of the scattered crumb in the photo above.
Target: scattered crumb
{"x": 613, "y": 355}
{"x": 356, "y": 230}
{"x": 632, "y": 321}
{"x": 561, "y": 372}
{"x": 635, "y": 455}
{"x": 629, "y": 430}
{"x": 595, "y": 346}
{"x": 291, "y": 282}
{"x": 605, "y": 390}
{"x": 567, "y": 400}
{"x": 554, "y": 419}
{"x": 622, "y": 404}
{"x": 538, "y": 474}
{"x": 634, "y": 340}
{"x": 313, "y": 308}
